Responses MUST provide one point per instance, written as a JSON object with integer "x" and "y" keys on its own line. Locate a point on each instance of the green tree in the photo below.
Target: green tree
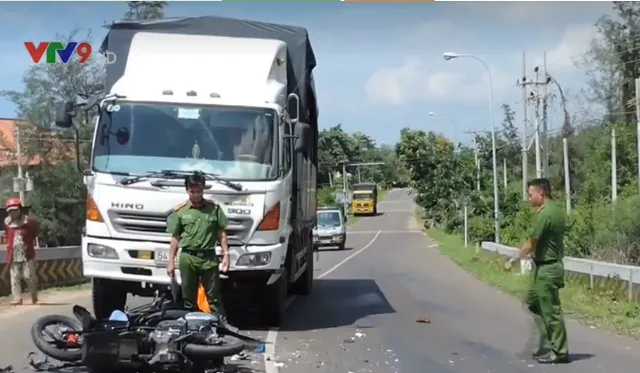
{"x": 511, "y": 147}
{"x": 613, "y": 62}
{"x": 145, "y": 9}
{"x": 59, "y": 194}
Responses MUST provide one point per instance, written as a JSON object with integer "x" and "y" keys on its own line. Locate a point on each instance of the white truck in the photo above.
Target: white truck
{"x": 233, "y": 99}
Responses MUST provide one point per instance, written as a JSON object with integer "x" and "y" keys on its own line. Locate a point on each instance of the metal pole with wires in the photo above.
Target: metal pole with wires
{"x": 496, "y": 197}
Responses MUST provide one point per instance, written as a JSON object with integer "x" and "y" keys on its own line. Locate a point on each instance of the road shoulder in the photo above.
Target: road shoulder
{"x": 585, "y": 310}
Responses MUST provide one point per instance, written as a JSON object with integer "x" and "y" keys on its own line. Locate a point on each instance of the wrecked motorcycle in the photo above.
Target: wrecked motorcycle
{"x": 156, "y": 337}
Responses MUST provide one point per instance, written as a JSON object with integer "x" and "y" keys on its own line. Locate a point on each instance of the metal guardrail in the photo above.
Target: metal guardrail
{"x": 55, "y": 266}
{"x": 592, "y": 268}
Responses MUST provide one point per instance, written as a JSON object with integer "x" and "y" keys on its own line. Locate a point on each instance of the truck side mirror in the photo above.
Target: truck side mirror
{"x": 63, "y": 114}
{"x": 293, "y": 107}
{"x": 302, "y": 132}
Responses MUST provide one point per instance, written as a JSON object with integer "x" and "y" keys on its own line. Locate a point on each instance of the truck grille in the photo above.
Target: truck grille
{"x": 155, "y": 224}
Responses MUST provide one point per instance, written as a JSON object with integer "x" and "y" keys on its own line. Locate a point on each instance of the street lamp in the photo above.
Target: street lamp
{"x": 432, "y": 114}
{"x": 496, "y": 203}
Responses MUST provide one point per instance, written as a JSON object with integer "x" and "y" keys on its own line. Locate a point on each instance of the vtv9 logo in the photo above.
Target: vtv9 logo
{"x": 57, "y": 52}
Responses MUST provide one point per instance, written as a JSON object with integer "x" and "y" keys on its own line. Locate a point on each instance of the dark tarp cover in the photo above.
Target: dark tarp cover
{"x": 300, "y": 60}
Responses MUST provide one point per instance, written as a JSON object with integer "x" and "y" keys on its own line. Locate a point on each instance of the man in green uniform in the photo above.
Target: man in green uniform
{"x": 545, "y": 245}
{"x": 197, "y": 226}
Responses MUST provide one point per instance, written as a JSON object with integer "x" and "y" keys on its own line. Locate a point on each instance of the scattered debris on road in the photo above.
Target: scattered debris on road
{"x": 41, "y": 363}
{"x": 423, "y": 320}
{"x": 7, "y": 369}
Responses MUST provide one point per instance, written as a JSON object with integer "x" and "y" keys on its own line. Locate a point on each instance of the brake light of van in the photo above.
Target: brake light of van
{"x": 271, "y": 221}
{"x": 93, "y": 214}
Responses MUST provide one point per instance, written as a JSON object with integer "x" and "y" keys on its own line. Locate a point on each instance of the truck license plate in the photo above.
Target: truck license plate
{"x": 162, "y": 256}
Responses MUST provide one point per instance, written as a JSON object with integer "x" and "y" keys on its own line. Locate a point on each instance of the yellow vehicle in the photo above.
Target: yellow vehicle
{"x": 365, "y": 199}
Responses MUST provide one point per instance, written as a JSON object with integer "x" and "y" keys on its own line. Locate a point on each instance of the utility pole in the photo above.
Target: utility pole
{"x": 19, "y": 159}
{"x": 614, "y": 167}
{"x": 567, "y": 176}
{"x": 477, "y": 161}
{"x": 20, "y": 183}
{"x": 537, "y": 129}
{"x": 525, "y": 152}
{"x": 538, "y": 96}
{"x": 504, "y": 173}
{"x": 545, "y": 122}
{"x": 344, "y": 188}
{"x": 359, "y": 177}
{"x": 476, "y": 156}
{"x": 638, "y": 126}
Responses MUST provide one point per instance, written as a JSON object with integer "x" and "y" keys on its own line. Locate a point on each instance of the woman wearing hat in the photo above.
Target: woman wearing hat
{"x": 21, "y": 233}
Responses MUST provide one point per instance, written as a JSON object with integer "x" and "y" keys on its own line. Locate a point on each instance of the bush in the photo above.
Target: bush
{"x": 515, "y": 228}
{"x": 326, "y": 196}
{"x": 481, "y": 229}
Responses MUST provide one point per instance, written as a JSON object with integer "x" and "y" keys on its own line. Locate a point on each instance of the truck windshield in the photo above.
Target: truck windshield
{"x": 328, "y": 218}
{"x": 362, "y": 196}
{"x": 235, "y": 143}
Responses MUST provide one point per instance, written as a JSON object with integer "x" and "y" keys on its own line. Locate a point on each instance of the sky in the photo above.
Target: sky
{"x": 380, "y": 65}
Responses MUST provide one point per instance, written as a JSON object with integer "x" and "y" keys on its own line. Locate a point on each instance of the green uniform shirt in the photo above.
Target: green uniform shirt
{"x": 197, "y": 227}
{"x": 548, "y": 230}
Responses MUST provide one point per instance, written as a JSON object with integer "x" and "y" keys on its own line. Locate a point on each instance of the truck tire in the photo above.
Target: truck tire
{"x": 107, "y": 296}
{"x": 304, "y": 283}
{"x": 275, "y": 301}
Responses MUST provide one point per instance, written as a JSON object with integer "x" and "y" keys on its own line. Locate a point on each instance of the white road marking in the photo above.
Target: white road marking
{"x": 390, "y": 231}
{"x": 272, "y": 335}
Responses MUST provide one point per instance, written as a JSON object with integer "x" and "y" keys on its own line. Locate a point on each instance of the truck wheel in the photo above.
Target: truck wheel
{"x": 304, "y": 283}
{"x": 276, "y": 299}
{"x": 108, "y": 296}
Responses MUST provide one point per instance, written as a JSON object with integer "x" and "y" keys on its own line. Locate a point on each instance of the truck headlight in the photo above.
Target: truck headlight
{"x": 101, "y": 251}
{"x": 254, "y": 259}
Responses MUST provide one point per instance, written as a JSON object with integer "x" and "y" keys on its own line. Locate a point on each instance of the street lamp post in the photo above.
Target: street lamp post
{"x": 432, "y": 114}
{"x": 496, "y": 203}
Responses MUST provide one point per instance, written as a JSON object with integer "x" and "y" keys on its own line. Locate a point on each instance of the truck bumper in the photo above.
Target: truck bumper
{"x": 129, "y": 266}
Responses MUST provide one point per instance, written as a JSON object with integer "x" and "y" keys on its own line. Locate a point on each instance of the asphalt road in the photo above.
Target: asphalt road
{"x": 362, "y": 315}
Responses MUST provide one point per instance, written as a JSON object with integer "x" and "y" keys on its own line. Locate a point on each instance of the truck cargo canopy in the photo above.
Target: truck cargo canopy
{"x": 300, "y": 61}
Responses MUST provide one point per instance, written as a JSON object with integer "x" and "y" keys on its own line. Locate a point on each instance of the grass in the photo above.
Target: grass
{"x": 603, "y": 308}
{"x": 352, "y": 219}
{"x": 382, "y": 194}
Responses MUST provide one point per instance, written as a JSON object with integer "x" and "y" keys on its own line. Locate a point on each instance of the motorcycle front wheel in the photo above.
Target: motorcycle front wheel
{"x": 60, "y": 342}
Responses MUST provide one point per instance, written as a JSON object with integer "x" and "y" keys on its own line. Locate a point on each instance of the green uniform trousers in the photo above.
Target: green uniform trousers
{"x": 543, "y": 300}
{"x": 196, "y": 267}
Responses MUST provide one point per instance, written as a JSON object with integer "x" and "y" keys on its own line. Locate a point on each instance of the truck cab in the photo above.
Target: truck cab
{"x": 365, "y": 199}
{"x": 231, "y": 114}
{"x": 331, "y": 228}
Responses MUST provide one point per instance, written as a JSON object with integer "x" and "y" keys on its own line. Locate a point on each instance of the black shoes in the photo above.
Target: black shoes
{"x": 540, "y": 352}
{"x": 552, "y": 358}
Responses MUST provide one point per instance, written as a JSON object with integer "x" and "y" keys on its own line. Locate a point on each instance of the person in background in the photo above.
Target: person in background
{"x": 21, "y": 231}
{"x": 546, "y": 247}
{"x": 197, "y": 226}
